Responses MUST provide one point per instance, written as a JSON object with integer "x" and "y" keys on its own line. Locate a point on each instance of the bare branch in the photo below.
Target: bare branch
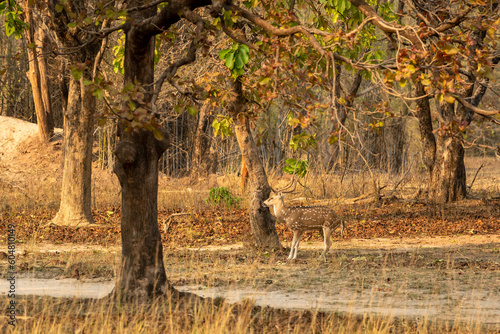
{"x": 491, "y": 118}
{"x": 189, "y": 58}
{"x": 358, "y": 29}
{"x": 386, "y": 27}
{"x": 476, "y": 109}
{"x": 100, "y": 54}
{"x": 169, "y": 15}
{"x": 233, "y": 36}
{"x": 455, "y": 22}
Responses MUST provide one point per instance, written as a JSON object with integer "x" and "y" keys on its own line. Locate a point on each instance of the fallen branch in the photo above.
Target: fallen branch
{"x": 474, "y": 179}
{"x": 404, "y": 176}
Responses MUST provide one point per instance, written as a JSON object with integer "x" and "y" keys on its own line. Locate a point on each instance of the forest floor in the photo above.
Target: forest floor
{"x": 401, "y": 265}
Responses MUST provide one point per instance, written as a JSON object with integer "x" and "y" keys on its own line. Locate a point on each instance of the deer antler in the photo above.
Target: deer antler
{"x": 293, "y": 182}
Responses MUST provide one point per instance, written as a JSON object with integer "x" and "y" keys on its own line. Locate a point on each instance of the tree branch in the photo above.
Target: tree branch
{"x": 299, "y": 29}
{"x": 232, "y": 35}
{"x": 169, "y": 15}
{"x": 476, "y": 109}
{"x": 386, "y": 27}
{"x": 189, "y": 58}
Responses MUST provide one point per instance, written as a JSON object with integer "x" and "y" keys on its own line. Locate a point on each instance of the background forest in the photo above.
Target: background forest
{"x": 377, "y": 139}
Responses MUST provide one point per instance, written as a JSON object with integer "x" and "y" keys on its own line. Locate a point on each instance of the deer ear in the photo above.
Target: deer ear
{"x": 282, "y": 196}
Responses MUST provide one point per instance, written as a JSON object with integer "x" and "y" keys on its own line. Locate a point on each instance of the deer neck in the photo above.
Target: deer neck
{"x": 279, "y": 210}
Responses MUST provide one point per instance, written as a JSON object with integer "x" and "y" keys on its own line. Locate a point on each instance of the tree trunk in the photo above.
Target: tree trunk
{"x": 261, "y": 220}
{"x": 37, "y": 75}
{"x": 142, "y": 274}
{"x": 202, "y": 161}
{"x": 75, "y": 206}
{"x": 137, "y": 153}
{"x": 447, "y": 182}
{"x": 340, "y": 153}
{"x": 443, "y": 156}
{"x": 426, "y": 131}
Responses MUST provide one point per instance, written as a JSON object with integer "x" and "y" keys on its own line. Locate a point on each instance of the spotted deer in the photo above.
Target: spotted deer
{"x": 305, "y": 218}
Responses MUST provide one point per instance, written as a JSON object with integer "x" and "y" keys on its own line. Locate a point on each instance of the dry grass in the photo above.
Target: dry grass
{"x": 48, "y": 315}
{"x": 460, "y": 286}
{"x": 39, "y": 187}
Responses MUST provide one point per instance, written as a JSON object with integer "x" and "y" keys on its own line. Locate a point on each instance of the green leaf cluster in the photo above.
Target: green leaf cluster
{"x": 223, "y": 125}
{"x": 12, "y": 12}
{"x": 339, "y": 5}
{"x": 297, "y": 167}
{"x": 222, "y": 195}
{"x": 119, "y": 52}
{"x": 303, "y": 141}
{"x": 235, "y": 58}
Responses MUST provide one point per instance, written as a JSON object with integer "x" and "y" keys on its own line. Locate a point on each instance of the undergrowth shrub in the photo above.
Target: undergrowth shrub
{"x": 216, "y": 196}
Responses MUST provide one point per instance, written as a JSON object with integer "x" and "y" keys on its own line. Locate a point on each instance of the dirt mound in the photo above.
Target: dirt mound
{"x": 23, "y": 157}
{"x": 31, "y": 171}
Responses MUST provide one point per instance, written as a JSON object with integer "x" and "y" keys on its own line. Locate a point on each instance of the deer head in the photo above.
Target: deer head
{"x": 277, "y": 199}
{"x": 274, "y": 200}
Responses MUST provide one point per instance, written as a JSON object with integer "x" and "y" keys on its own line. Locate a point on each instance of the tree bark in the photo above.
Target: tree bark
{"x": 37, "y": 75}
{"x": 443, "y": 154}
{"x": 75, "y": 206}
{"x": 137, "y": 153}
{"x": 426, "y": 131}
{"x": 202, "y": 161}
{"x": 447, "y": 179}
{"x": 261, "y": 221}
{"x": 143, "y": 273}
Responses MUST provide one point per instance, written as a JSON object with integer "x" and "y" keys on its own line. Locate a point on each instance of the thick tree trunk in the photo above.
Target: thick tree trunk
{"x": 395, "y": 143}
{"x": 443, "y": 156}
{"x": 142, "y": 274}
{"x": 261, "y": 220}
{"x": 37, "y": 75}
{"x": 75, "y": 206}
{"x": 137, "y": 153}
{"x": 426, "y": 131}
{"x": 447, "y": 182}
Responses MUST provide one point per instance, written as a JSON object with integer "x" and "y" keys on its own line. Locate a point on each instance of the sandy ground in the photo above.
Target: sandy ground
{"x": 394, "y": 244}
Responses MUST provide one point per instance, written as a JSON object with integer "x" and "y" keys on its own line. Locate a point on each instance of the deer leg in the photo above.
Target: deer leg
{"x": 342, "y": 228}
{"x": 327, "y": 232}
{"x": 292, "y": 245}
{"x": 297, "y": 242}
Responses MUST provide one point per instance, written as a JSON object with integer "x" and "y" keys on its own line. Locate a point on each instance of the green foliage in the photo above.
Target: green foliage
{"x": 235, "y": 58}
{"x": 297, "y": 167}
{"x": 77, "y": 70}
{"x": 303, "y": 141}
{"x": 220, "y": 195}
{"x": 223, "y": 125}
{"x": 12, "y": 12}
{"x": 344, "y": 9}
{"x": 119, "y": 52}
